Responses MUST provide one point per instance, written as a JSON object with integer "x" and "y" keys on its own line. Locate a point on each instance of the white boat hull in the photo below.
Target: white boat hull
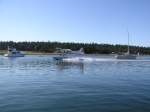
{"x": 125, "y": 57}
{"x": 14, "y": 55}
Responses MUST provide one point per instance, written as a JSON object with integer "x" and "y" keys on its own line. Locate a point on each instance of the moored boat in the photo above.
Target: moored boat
{"x": 126, "y": 55}
{"x": 12, "y": 52}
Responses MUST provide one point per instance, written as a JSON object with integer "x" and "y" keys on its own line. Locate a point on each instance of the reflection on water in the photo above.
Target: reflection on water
{"x": 61, "y": 65}
{"x": 81, "y": 84}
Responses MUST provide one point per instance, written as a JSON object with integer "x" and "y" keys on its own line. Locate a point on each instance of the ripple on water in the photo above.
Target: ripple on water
{"x": 101, "y": 83}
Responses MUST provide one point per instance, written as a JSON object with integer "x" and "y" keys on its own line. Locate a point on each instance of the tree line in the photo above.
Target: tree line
{"x": 89, "y": 48}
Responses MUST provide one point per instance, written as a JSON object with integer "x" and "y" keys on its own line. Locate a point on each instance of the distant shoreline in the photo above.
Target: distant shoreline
{"x": 44, "y": 53}
{"x": 2, "y": 52}
{"x": 30, "y": 53}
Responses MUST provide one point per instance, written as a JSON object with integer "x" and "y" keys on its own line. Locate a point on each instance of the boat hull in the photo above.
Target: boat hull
{"x": 14, "y": 55}
{"x": 125, "y": 57}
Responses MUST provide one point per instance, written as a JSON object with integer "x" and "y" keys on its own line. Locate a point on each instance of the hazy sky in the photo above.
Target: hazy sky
{"x": 83, "y": 21}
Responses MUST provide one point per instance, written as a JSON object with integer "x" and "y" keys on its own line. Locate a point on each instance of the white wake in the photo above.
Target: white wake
{"x": 87, "y": 59}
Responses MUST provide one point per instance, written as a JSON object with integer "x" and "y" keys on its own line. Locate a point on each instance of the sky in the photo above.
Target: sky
{"x": 79, "y": 21}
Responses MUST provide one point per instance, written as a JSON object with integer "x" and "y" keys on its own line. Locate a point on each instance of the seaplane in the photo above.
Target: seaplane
{"x": 67, "y": 53}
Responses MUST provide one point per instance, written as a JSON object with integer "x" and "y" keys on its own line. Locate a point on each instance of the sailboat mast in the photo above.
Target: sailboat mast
{"x": 128, "y": 41}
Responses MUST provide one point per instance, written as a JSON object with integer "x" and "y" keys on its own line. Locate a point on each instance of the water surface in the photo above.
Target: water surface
{"x": 83, "y": 84}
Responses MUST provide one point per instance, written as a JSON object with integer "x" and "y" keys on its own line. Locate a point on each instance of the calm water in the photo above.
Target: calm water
{"x": 89, "y": 84}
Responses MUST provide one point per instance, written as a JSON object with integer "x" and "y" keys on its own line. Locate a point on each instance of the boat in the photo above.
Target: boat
{"x": 126, "y": 55}
{"x": 12, "y": 52}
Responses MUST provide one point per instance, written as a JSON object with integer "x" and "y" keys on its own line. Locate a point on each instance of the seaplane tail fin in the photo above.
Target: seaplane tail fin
{"x": 82, "y": 51}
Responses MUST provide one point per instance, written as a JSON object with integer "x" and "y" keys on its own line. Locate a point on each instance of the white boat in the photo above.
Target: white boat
{"x": 126, "y": 55}
{"x": 12, "y": 52}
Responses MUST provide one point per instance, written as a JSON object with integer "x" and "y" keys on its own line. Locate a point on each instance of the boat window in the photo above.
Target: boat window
{"x": 13, "y": 52}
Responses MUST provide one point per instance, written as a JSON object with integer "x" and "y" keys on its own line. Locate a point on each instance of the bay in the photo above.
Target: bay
{"x": 91, "y": 83}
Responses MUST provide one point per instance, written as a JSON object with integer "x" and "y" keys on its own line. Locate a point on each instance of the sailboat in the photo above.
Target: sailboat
{"x": 126, "y": 55}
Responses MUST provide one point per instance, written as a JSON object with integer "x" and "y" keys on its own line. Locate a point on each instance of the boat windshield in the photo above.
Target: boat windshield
{"x": 13, "y": 52}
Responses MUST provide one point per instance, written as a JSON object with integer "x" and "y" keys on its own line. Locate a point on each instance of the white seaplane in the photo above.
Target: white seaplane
{"x": 67, "y": 53}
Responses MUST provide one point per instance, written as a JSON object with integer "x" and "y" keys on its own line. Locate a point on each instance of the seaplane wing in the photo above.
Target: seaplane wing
{"x": 63, "y": 50}
{"x": 69, "y": 51}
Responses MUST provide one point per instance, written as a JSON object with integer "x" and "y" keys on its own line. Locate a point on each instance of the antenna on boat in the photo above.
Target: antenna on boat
{"x": 128, "y": 40}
